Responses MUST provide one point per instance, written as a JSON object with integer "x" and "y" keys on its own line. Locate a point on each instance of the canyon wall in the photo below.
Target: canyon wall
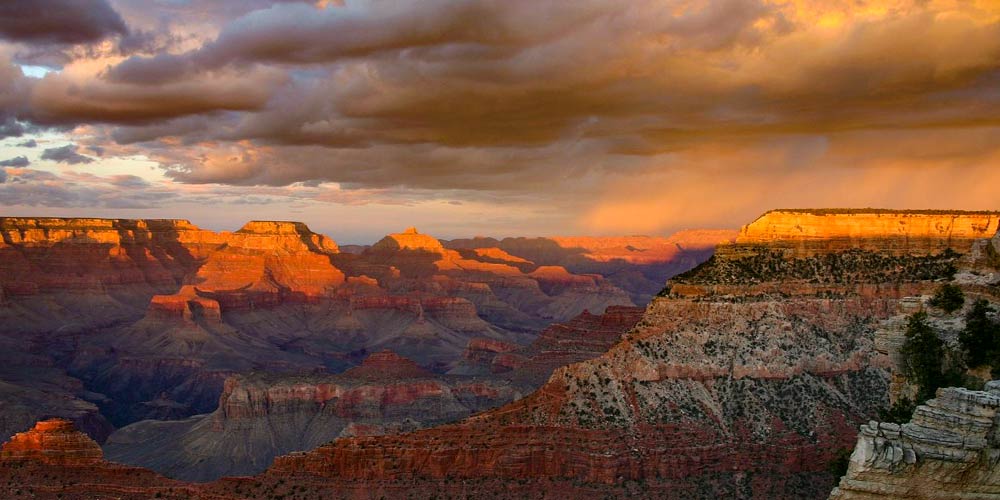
{"x": 262, "y": 416}
{"x": 899, "y": 232}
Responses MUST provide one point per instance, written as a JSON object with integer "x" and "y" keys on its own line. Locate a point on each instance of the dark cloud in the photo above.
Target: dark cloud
{"x": 539, "y": 101}
{"x": 66, "y": 154}
{"x": 59, "y": 21}
{"x": 62, "y": 101}
{"x": 17, "y": 161}
{"x": 36, "y": 188}
{"x": 12, "y": 128}
{"x": 299, "y": 33}
{"x": 30, "y": 143}
{"x": 3, "y": 175}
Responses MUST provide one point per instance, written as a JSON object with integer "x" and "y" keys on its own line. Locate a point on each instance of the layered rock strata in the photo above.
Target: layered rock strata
{"x": 584, "y": 337}
{"x": 260, "y": 417}
{"x": 897, "y": 232}
{"x": 52, "y": 442}
{"x": 742, "y": 380}
{"x": 153, "y": 315}
{"x": 949, "y": 450}
{"x": 755, "y": 365}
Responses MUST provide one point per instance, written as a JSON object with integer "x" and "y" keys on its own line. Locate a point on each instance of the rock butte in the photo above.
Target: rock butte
{"x": 410, "y": 239}
{"x": 54, "y": 442}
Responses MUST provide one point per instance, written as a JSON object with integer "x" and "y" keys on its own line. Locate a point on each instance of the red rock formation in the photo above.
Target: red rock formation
{"x": 43, "y": 254}
{"x": 738, "y": 390}
{"x": 890, "y": 231}
{"x": 269, "y": 263}
{"x": 53, "y": 442}
{"x": 638, "y": 264}
{"x": 387, "y": 364}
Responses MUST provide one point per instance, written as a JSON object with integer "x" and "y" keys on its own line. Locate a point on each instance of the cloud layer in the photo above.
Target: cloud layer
{"x": 664, "y": 112}
{"x": 59, "y": 21}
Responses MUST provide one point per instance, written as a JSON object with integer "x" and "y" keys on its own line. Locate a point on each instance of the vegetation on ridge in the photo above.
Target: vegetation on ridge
{"x": 930, "y": 364}
{"x": 849, "y": 266}
{"x": 981, "y": 337}
{"x": 949, "y": 298}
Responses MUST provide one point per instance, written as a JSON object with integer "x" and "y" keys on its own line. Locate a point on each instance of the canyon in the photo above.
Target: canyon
{"x": 111, "y": 321}
{"x": 744, "y": 377}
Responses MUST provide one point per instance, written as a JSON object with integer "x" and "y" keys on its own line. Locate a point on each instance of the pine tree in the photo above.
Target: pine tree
{"x": 981, "y": 337}
{"x": 923, "y": 355}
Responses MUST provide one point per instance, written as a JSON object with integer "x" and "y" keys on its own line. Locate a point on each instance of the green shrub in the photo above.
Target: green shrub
{"x": 949, "y": 298}
{"x": 981, "y": 337}
{"x": 900, "y": 413}
{"x": 924, "y": 359}
{"x": 841, "y": 460}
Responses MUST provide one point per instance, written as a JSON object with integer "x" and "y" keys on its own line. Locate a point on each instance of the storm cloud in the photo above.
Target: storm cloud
{"x": 59, "y": 21}
{"x": 532, "y": 103}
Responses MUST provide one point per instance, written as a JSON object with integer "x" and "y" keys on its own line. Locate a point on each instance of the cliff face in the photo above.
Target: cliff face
{"x": 584, "y": 337}
{"x": 898, "y": 232}
{"x": 948, "y": 450}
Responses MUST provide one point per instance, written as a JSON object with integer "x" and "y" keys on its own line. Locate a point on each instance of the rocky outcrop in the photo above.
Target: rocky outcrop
{"x": 811, "y": 252}
{"x": 265, "y": 264}
{"x": 55, "y": 461}
{"x": 410, "y": 239}
{"x": 52, "y": 442}
{"x": 949, "y": 450}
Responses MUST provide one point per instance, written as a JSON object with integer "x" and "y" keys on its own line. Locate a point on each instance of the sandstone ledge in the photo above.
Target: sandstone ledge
{"x": 949, "y": 450}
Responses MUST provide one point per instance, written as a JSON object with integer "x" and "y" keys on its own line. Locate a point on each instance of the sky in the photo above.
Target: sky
{"x": 495, "y": 117}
